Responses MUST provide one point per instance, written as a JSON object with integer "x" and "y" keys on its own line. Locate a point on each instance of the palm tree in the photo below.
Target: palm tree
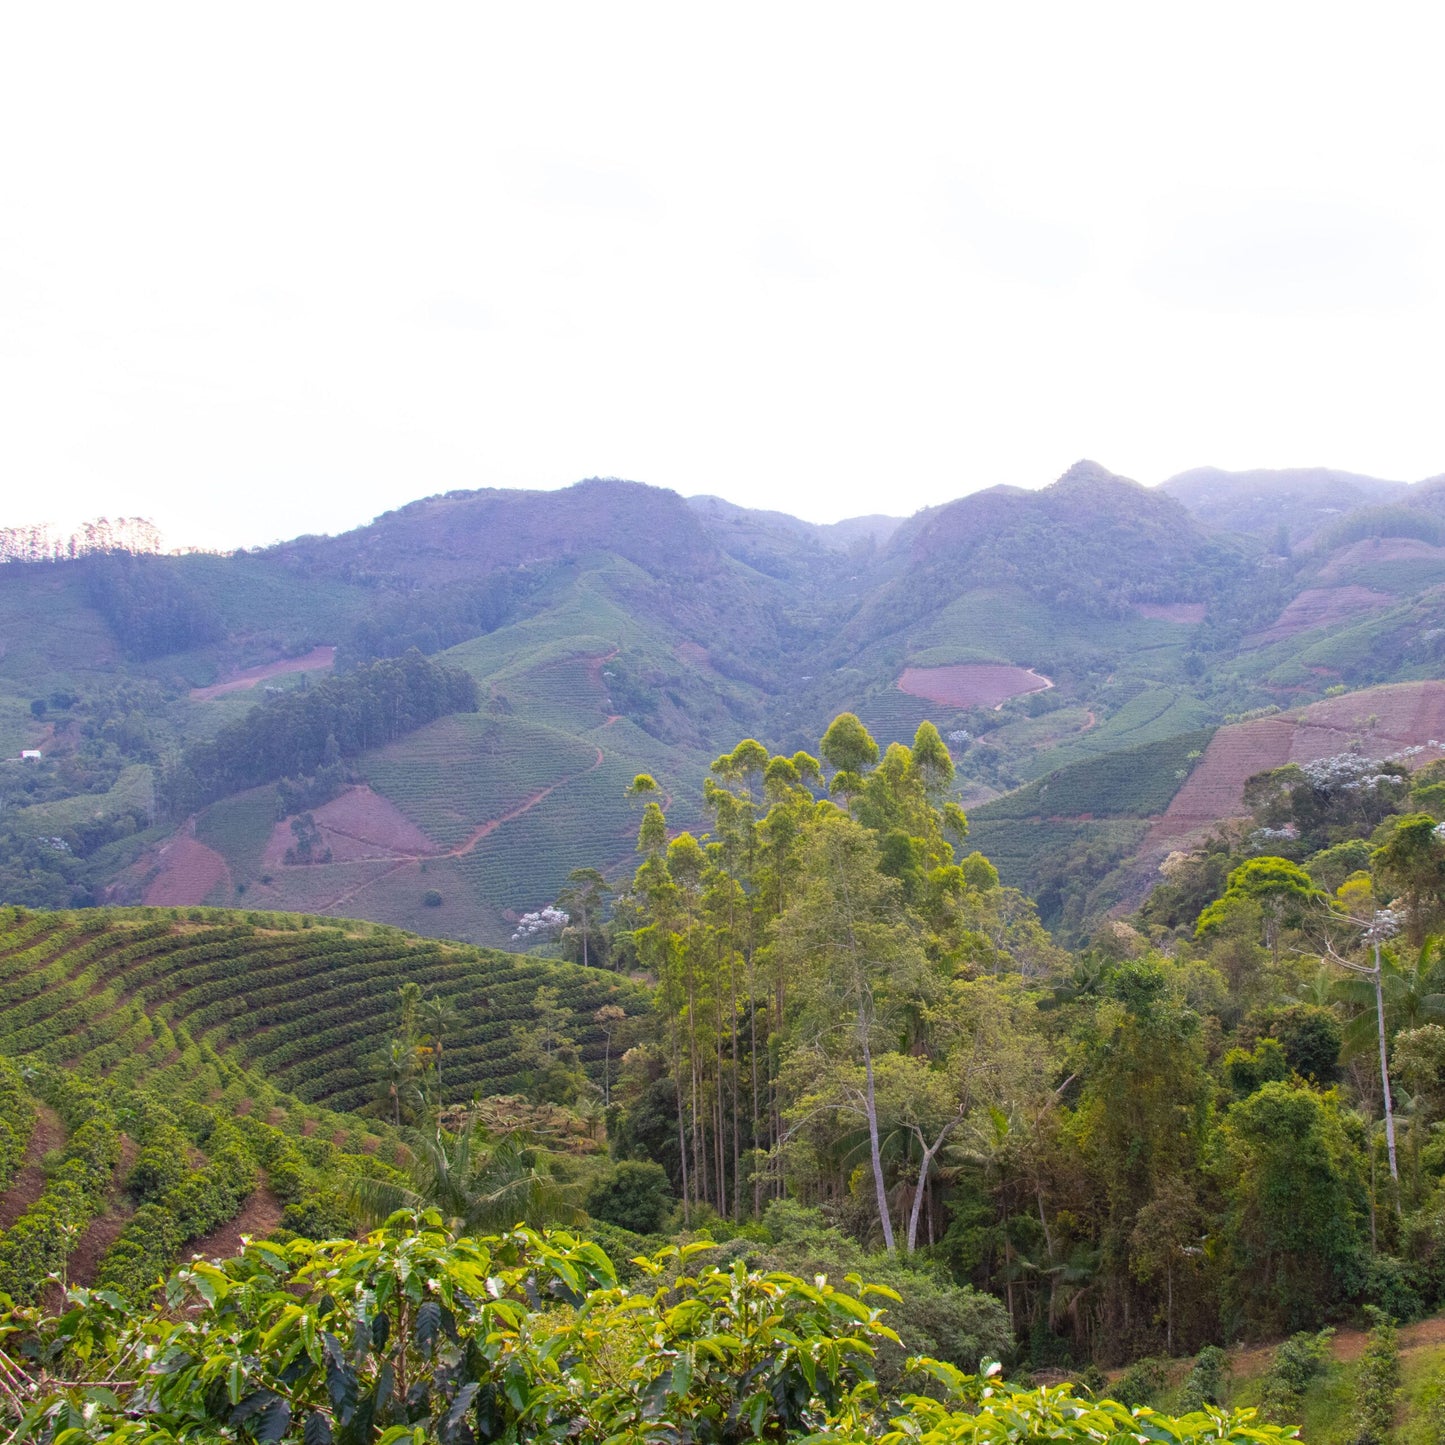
{"x": 396, "y": 1066}
{"x": 479, "y": 1186}
{"x": 438, "y": 1017}
{"x": 1411, "y": 993}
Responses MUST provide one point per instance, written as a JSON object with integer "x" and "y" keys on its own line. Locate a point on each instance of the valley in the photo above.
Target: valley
{"x": 946, "y": 904}
{"x": 623, "y": 630}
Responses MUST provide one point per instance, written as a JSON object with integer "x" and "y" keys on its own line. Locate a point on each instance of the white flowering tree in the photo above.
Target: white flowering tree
{"x": 541, "y": 926}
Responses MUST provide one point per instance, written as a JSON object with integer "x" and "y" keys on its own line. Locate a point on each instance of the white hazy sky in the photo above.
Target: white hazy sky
{"x": 267, "y": 269}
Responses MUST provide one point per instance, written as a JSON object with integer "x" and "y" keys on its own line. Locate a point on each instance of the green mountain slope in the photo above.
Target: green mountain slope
{"x": 613, "y": 628}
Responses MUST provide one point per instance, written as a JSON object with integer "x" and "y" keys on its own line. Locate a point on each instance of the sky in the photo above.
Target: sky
{"x": 274, "y": 269}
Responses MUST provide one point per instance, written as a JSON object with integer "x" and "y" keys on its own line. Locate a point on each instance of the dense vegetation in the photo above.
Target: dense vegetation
{"x": 296, "y": 733}
{"x": 415, "y": 1336}
{"x": 1172, "y": 1138}
{"x": 864, "y": 1058}
{"x": 814, "y": 1020}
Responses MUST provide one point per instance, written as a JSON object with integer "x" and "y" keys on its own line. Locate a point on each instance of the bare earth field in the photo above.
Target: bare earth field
{"x": 260, "y": 1214}
{"x": 1320, "y": 607}
{"x": 971, "y": 684}
{"x": 1373, "y": 550}
{"x": 1378, "y": 722}
{"x": 188, "y": 872}
{"x": 319, "y": 659}
{"x": 358, "y": 825}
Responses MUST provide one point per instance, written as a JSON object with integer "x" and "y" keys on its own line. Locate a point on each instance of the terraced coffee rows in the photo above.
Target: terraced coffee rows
{"x": 133, "y": 1180}
{"x": 142, "y": 993}
{"x": 462, "y": 770}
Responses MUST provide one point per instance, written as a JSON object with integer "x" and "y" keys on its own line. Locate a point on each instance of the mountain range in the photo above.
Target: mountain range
{"x": 1091, "y": 650}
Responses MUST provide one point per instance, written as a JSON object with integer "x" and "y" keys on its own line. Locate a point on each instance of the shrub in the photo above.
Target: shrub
{"x": 1141, "y": 1382}
{"x": 1205, "y": 1385}
{"x": 1377, "y": 1387}
{"x": 699, "y": 1353}
{"x": 637, "y": 1196}
{"x": 1395, "y": 1286}
{"x": 1296, "y": 1363}
{"x": 39, "y": 1242}
{"x": 432, "y": 898}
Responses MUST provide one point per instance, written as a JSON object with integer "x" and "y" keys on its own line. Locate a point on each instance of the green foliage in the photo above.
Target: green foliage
{"x": 1141, "y": 1383}
{"x": 932, "y": 1315}
{"x": 1377, "y": 1387}
{"x": 1411, "y": 862}
{"x": 411, "y": 1328}
{"x": 1134, "y": 782}
{"x": 148, "y": 604}
{"x": 197, "y": 1203}
{"x": 1246, "y": 1072}
{"x": 637, "y": 1196}
{"x": 38, "y": 1243}
{"x": 1206, "y": 1382}
{"x": 307, "y": 1005}
{"x": 17, "y": 1119}
{"x": 1297, "y": 1363}
{"x": 1296, "y": 1209}
{"x": 297, "y": 732}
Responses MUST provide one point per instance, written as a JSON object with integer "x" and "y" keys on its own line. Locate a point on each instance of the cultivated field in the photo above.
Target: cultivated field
{"x": 1320, "y": 607}
{"x": 971, "y": 684}
{"x": 1186, "y": 614}
{"x": 1377, "y": 722}
{"x": 305, "y": 1003}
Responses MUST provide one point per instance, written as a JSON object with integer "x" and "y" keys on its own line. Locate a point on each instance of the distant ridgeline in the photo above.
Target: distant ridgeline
{"x": 582, "y": 636}
{"x": 44, "y": 543}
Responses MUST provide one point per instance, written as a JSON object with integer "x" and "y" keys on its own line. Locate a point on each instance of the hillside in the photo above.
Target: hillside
{"x": 1300, "y": 501}
{"x": 612, "y": 629}
{"x": 137, "y": 993}
{"x": 1089, "y": 838}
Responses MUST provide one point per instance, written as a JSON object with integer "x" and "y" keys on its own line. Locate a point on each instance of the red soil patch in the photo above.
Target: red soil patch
{"x": 48, "y": 1134}
{"x": 189, "y": 871}
{"x": 1347, "y": 1345}
{"x": 1215, "y": 789}
{"x": 1319, "y": 607}
{"x": 1374, "y": 550}
{"x": 467, "y": 844}
{"x": 358, "y": 827}
{"x": 1385, "y": 719}
{"x": 971, "y": 684}
{"x": 1379, "y": 722}
{"x": 319, "y": 659}
{"x": 260, "y": 1214}
{"x": 1186, "y": 613}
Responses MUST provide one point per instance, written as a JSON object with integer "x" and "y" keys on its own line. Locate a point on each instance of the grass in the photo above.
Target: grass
{"x": 1000, "y": 625}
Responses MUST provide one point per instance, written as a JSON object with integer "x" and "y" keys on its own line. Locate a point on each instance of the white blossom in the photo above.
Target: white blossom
{"x": 544, "y": 923}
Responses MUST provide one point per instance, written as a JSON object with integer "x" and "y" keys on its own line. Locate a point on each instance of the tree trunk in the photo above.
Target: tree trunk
{"x": 1385, "y": 1074}
{"x": 870, "y": 1104}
